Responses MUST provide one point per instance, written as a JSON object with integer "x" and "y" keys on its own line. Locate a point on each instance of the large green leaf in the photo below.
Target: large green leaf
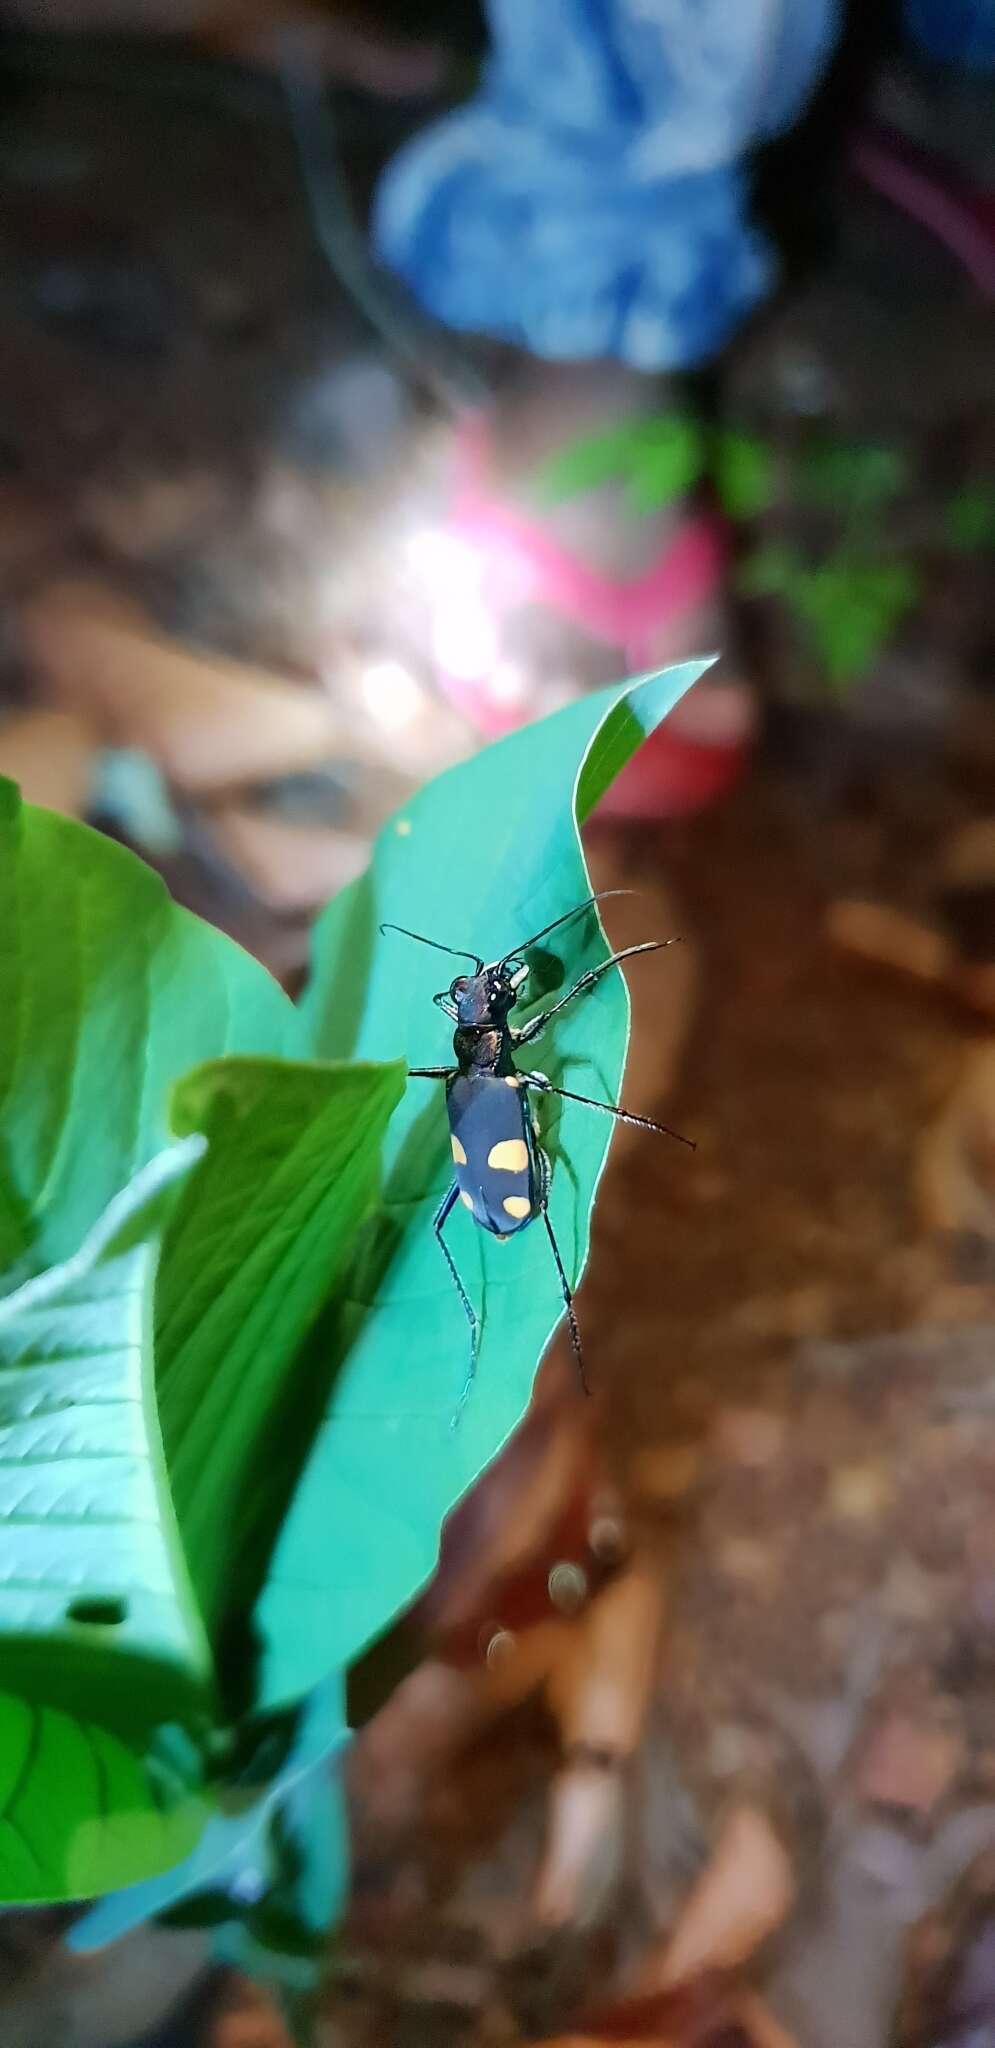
{"x": 480, "y": 858}
{"x": 102, "y": 1647}
{"x": 109, "y": 994}
{"x": 257, "y": 1244}
{"x": 241, "y": 1862}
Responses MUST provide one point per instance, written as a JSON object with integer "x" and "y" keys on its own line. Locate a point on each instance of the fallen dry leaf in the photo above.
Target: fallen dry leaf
{"x": 50, "y": 755}
{"x": 745, "y": 1892}
{"x": 289, "y": 867}
{"x": 210, "y": 724}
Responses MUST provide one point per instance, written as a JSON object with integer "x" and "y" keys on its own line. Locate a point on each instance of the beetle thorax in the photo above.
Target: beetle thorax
{"x": 480, "y": 1052}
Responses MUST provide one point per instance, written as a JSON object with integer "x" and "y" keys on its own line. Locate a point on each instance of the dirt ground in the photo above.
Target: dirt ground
{"x": 790, "y": 1331}
{"x": 778, "y": 1332}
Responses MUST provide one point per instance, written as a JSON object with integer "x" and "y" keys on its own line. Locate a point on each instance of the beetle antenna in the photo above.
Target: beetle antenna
{"x": 598, "y": 897}
{"x": 456, "y": 951}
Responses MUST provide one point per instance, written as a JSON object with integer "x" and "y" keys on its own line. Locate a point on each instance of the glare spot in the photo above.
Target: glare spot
{"x": 391, "y": 694}
{"x": 500, "y": 1647}
{"x": 567, "y": 1587}
{"x": 444, "y": 562}
{"x": 464, "y": 636}
{"x": 508, "y": 683}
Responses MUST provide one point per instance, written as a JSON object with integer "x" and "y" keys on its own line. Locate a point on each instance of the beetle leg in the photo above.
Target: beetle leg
{"x": 431, "y": 1073}
{"x": 624, "y": 1116}
{"x": 587, "y": 981}
{"x": 445, "y": 1209}
{"x": 568, "y": 1300}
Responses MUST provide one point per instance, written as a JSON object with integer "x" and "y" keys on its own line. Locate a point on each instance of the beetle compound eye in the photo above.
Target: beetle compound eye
{"x": 459, "y": 985}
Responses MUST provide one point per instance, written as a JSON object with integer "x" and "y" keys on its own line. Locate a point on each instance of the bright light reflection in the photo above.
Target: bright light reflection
{"x": 391, "y": 694}
{"x": 464, "y": 637}
{"x": 508, "y": 683}
{"x": 445, "y": 561}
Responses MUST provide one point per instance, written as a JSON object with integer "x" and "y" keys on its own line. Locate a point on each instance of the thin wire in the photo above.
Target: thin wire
{"x": 409, "y": 335}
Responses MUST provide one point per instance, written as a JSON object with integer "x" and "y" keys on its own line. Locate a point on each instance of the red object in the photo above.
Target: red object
{"x": 625, "y": 612}
{"x": 675, "y": 773}
{"x": 671, "y": 777}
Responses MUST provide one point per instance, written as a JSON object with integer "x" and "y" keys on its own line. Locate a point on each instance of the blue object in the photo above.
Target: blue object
{"x": 590, "y": 199}
{"x": 954, "y": 31}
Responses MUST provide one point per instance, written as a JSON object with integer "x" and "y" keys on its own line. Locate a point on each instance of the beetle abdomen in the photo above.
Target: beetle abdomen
{"x": 493, "y": 1150}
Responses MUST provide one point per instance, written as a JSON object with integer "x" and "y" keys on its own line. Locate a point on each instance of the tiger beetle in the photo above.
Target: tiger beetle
{"x": 502, "y": 1172}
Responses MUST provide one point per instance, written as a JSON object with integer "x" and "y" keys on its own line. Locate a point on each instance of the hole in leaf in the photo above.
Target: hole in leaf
{"x": 102, "y": 1613}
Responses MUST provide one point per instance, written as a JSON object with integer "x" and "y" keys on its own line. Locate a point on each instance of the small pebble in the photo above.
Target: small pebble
{"x": 860, "y": 1493}
{"x": 750, "y": 1563}
{"x": 749, "y": 1436}
{"x": 665, "y": 1474}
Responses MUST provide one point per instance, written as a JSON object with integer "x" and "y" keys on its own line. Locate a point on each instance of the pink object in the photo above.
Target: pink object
{"x": 675, "y": 772}
{"x": 959, "y": 216}
{"x": 624, "y": 613}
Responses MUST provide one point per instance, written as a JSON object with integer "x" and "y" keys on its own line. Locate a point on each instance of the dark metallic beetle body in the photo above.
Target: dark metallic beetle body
{"x": 502, "y": 1174}
{"x": 489, "y": 1118}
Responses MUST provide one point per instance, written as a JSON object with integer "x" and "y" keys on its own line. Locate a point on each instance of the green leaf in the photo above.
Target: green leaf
{"x": 851, "y": 610}
{"x": 256, "y": 1245}
{"x": 970, "y": 520}
{"x": 586, "y": 464}
{"x": 286, "y": 1837}
{"x": 480, "y": 858}
{"x": 102, "y": 1648}
{"x": 656, "y": 459}
{"x": 744, "y": 475}
{"x": 667, "y": 459}
{"x": 283, "y": 1937}
{"x": 852, "y": 477}
{"x": 771, "y": 571}
{"x": 110, "y": 992}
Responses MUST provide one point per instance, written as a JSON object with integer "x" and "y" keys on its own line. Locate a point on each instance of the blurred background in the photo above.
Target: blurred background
{"x": 373, "y": 379}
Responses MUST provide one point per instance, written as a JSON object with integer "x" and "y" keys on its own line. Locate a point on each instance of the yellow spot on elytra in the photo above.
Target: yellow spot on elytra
{"x": 512, "y": 1081}
{"x": 510, "y": 1156}
{"x": 467, "y": 1200}
{"x": 458, "y": 1153}
{"x": 403, "y": 828}
{"x": 517, "y": 1205}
